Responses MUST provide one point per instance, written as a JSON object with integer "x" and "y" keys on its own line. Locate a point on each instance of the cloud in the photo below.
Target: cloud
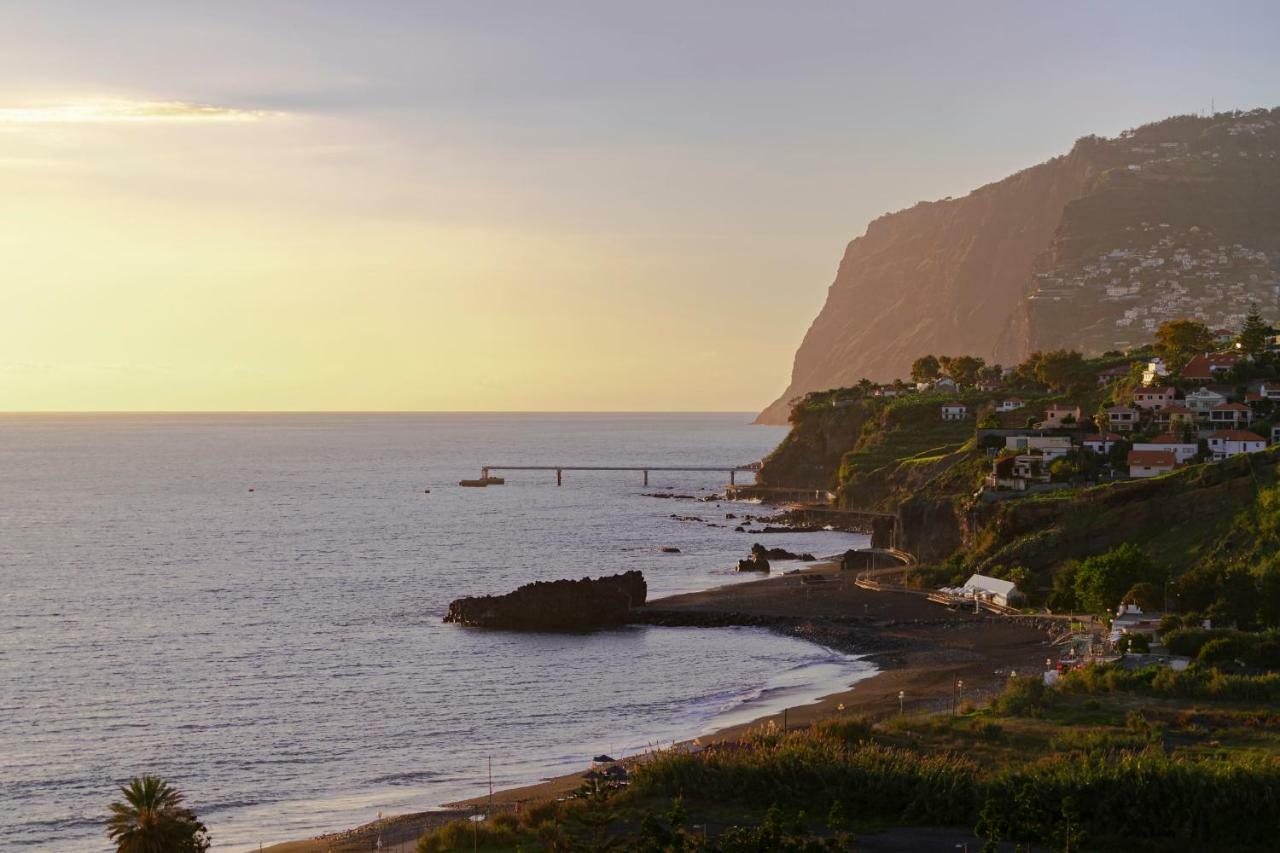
{"x": 98, "y": 111}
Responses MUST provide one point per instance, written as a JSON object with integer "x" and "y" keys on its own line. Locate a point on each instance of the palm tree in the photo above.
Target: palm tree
{"x": 151, "y": 819}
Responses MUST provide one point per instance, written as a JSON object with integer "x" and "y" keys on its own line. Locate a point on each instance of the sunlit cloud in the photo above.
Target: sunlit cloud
{"x": 99, "y": 111}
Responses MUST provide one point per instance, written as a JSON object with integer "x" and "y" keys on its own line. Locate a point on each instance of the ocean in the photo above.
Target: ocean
{"x": 250, "y": 607}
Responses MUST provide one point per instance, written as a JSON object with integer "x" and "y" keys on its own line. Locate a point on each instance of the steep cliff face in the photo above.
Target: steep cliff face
{"x": 1091, "y": 250}
{"x": 945, "y": 276}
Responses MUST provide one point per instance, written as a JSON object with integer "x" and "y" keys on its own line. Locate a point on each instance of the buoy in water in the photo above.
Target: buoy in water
{"x": 251, "y": 490}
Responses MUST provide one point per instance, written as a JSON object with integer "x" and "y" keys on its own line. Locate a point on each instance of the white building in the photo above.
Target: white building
{"x": 1183, "y": 451}
{"x": 991, "y": 589}
{"x": 1154, "y": 371}
{"x": 1202, "y": 401}
{"x": 1101, "y": 443}
{"x": 1049, "y": 446}
{"x": 955, "y": 412}
{"x": 1232, "y": 442}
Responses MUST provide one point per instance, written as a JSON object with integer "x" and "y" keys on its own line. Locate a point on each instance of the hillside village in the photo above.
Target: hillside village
{"x": 1139, "y": 414}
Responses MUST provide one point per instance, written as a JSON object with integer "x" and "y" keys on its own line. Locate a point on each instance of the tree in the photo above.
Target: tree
{"x": 1101, "y": 581}
{"x": 964, "y": 369}
{"x": 1178, "y": 340}
{"x": 1254, "y": 334}
{"x": 152, "y": 819}
{"x": 1062, "y": 370}
{"x": 925, "y": 369}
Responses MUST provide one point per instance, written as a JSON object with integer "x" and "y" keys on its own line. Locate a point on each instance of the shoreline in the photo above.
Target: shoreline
{"x": 919, "y": 649}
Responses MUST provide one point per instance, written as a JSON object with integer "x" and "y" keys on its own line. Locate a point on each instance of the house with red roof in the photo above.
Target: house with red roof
{"x": 1101, "y": 443}
{"x": 1183, "y": 451}
{"x": 1230, "y": 416}
{"x": 1151, "y": 463}
{"x": 1210, "y": 366}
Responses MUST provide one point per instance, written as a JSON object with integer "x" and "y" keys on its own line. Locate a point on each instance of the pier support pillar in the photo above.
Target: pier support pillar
{"x": 732, "y": 481}
{"x": 559, "y": 476}
{"x": 646, "y": 478}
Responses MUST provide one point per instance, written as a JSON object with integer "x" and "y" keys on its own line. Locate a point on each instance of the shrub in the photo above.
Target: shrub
{"x": 1023, "y": 697}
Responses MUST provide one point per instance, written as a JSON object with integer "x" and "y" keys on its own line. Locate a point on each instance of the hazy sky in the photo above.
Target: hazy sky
{"x": 528, "y": 206}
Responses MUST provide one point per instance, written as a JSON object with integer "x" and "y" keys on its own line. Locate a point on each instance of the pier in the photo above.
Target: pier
{"x": 732, "y": 470}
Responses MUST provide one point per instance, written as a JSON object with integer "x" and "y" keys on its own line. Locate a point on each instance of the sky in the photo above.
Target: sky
{"x": 481, "y": 206}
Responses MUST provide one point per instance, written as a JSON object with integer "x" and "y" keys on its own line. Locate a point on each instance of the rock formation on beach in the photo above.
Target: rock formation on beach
{"x": 562, "y": 605}
{"x": 1088, "y": 250}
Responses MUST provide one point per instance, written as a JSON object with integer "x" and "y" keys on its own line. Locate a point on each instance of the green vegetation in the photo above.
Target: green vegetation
{"x": 1106, "y": 760}
{"x": 152, "y": 819}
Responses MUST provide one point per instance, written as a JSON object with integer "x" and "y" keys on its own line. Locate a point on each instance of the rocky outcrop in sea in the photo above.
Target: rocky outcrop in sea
{"x": 562, "y": 605}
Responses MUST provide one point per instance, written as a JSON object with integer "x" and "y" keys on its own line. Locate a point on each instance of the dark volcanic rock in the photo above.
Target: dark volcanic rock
{"x": 758, "y": 550}
{"x": 563, "y": 605}
{"x": 754, "y": 563}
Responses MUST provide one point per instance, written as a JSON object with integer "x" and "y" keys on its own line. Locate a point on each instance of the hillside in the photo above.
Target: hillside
{"x": 1090, "y": 250}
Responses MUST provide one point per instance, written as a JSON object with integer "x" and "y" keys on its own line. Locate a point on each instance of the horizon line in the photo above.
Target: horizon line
{"x": 378, "y": 412}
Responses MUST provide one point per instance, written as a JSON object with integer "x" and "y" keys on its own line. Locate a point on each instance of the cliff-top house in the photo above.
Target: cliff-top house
{"x": 1210, "y": 366}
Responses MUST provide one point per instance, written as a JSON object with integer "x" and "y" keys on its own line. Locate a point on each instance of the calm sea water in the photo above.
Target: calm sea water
{"x": 279, "y": 653}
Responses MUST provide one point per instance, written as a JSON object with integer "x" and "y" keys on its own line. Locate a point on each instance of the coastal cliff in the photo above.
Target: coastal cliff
{"x": 562, "y": 605}
{"x": 1182, "y": 215}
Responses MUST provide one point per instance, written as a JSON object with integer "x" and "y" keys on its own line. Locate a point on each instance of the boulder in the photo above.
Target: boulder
{"x": 754, "y": 563}
{"x": 563, "y": 605}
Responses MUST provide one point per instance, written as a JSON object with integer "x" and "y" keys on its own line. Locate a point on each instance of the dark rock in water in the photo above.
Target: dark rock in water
{"x": 666, "y": 497}
{"x": 729, "y": 515}
{"x": 739, "y": 529}
{"x": 563, "y": 605}
{"x": 754, "y": 563}
{"x": 758, "y": 550}
{"x": 670, "y": 550}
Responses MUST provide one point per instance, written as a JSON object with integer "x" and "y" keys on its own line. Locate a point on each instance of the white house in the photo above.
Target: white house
{"x": 1183, "y": 451}
{"x": 1202, "y": 401}
{"x": 1154, "y": 371}
{"x": 991, "y": 589}
{"x": 955, "y": 412}
{"x": 1049, "y": 446}
{"x": 1011, "y": 405}
{"x": 1150, "y": 463}
{"x": 1101, "y": 443}
{"x": 947, "y": 384}
{"x": 1232, "y": 442}
{"x": 1269, "y": 390}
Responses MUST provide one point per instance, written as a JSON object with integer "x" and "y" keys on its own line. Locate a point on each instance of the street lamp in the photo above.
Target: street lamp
{"x": 902, "y": 694}
{"x": 959, "y": 691}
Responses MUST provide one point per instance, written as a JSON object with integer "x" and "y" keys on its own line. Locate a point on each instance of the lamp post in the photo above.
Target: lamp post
{"x": 959, "y": 692}
{"x": 902, "y": 694}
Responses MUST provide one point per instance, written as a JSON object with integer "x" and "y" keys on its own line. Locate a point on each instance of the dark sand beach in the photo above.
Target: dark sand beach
{"x": 921, "y": 650}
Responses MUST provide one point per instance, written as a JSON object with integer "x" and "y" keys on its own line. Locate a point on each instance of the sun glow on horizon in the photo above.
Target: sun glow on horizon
{"x": 103, "y": 110}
